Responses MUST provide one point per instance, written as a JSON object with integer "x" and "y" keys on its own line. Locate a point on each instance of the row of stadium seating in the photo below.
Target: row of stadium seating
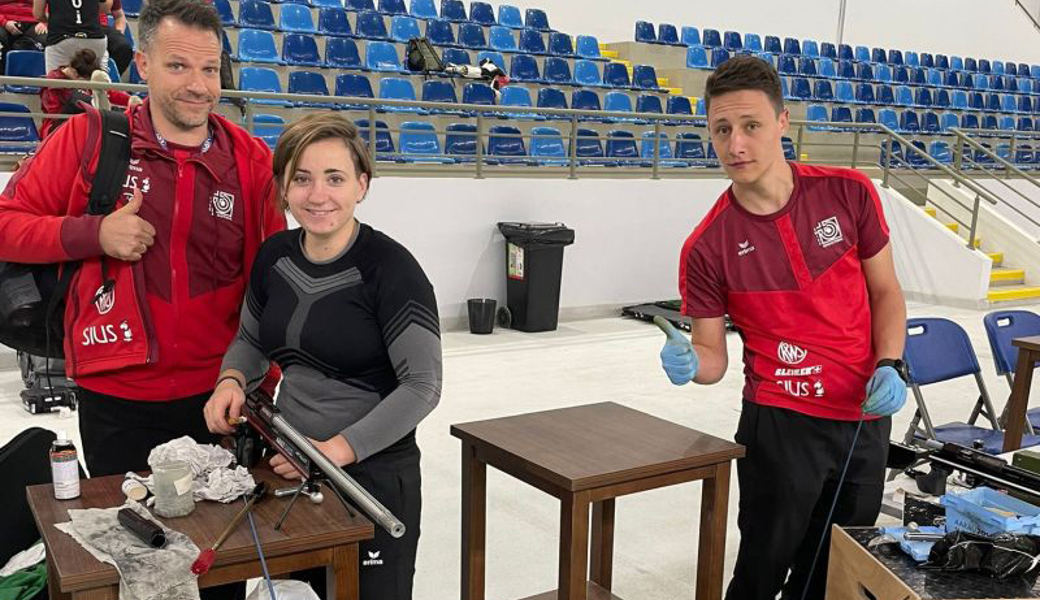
{"x": 910, "y": 121}
{"x": 799, "y": 88}
{"x": 1023, "y": 156}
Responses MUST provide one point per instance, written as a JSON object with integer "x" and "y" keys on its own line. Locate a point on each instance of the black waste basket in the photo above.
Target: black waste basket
{"x": 534, "y": 263}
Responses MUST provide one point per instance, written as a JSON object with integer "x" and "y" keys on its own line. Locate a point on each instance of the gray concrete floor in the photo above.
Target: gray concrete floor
{"x": 582, "y": 362}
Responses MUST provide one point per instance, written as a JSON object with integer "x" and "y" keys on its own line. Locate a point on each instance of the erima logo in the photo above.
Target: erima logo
{"x": 828, "y": 232}
{"x": 745, "y": 248}
{"x": 790, "y": 354}
{"x": 373, "y": 559}
{"x": 222, "y": 204}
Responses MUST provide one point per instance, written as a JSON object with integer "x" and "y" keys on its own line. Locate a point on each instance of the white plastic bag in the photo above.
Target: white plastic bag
{"x": 284, "y": 589}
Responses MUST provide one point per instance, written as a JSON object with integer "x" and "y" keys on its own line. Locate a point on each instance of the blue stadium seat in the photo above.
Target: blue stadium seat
{"x": 384, "y": 143}
{"x": 517, "y": 95}
{"x": 645, "y": 32}
{"x": 132, "y": 8}
{"x": 863, "y": 54}
{"x": 825, "y": 68}
{"x": 132, "y": 75}
{"x": 506, "y": 144}
{"x": 817, "y": 113}
{"x": 930, "y": 123}
{"x": 547, "y": 147}
{"x": 980, "y": 81}
{"x": 524, "y": 69}
{"x": 942, "y": 61}
{"x": 1007, "y": 123}
{"x": 807, "y": 66}
{"x": 959, "y": 100}
{"x": 509, "y": 16}
{"x": 865, "y": 115}
{"x": 355, "y": 86}
{"x": 296, "y": 17}
{"x": 990, "y": 122}
{"x": 268, "y": 128}
{"x": 690, "y": 148}
{"x": 1025, "y": 124}
{"x": 800, "y": 89}
{"x": 382, "y": 56}
{"x": 1025, "y": 104}
{"x": 557, "y": 71}
{"x": 679, "y": 105}
{"x": 664, "y": 150}
{"x": 900, "y": 74}
{"x": 897, "y": 159}
{"x": 994, "y": 102}
{"x": 440, "y": 32}
{"x": 460, "y": 142}
{"x": 956, "y": 63}
{"x": 261, "y": 79}
{"x": 419, "y": 144}
{"x": 711, "y": 38}
{"x": 369, "y": 24}
{"x": 551, "y": 98}
{"x": 927, "y": 60}
{"x": 841, "y": 114}
{"x": 622, "y": 145}
{"x": 942, "y": 98}
{"x": 359, "y": 5}
{"x": 810, "y": 48}
{"x": 1025, "y": 85}
{"x": 696, "y": 58}
{"x": 846, "y": 69}
{"x": 883, "y": 73}
{"x": 843, "y": 92}
{"x": 731, "y": 41}
{"x": 398, "y": 88}
{"x": 439, "y": 91}
{"x": 904, "y": 96}
{"x": 586, "y": 73}
{"x": 647, "y": 103}
{"x": 255, "y": 14}
{"x": 864, "y": 93}
{"x": 1007, "y": 103}
{"x": 300, "y": 49}
{"x": 334, "y": 22}
{"x": 453, "y": 10}
{"x": 923, "y": 97}
{"x": 690, "y": 36}
{"x": 616, "y": 75}
{"x": 618, "y": 102}
{"x": 977, "y": 101}
{"x": 940, "y": 151}
{"x": 667, "y": 34}
{"x": 24, "y": 63}
{"x": 478, "y": 93}
{"x": 309, "y": 82}
{"x": 644, "y": 77}
{"x": 909, "y": 122}
{"x": 471, "y": 36}
{"x": 984, "y": 66}
{"x": 718, "y": 56}
{"x": 790, "y": 152}
{"x": 535, "y": 18}
{"x": 403, "y": 28}
{"x": 501, "y": 38}
{"x": 772, "y": 45}
{"x": 560, "y": 44}
{"x": 845, "y": 52}
{"x": 885, "y": 95}
{"x": 888, "y": 118}
{"x": 970, "y": 64}
{"x": 997, "y": 83}
{"x": 585, "y": 100}
{"x": 895, "y": 57}
{"x": 864, "y": 72}
{"x": 970, "y": 121}
{"x": 918, "y": 76}
{"x": 482, "y": 12}
{"x": 827, "y": 50}
{"x": 948, "y": 120}
{"x": 495, "y": 57}
{"x": 823, "y": 91}
{"x": 878, "y": 55}
{"x": 532, "y": 42}
{"x": 934, "y": 78}
{"x": 950, "y": 79}
{"x": 342, "y": 53}
{"x": 752, "y": 42}
{"x": 792, "y": 46}
{"x": 587, "y": 46}
{"x": 255, "y": 45}
{"x": 588, "y": 149}
{"x": 227, "y": 16}
{"x": 422, "y": 9}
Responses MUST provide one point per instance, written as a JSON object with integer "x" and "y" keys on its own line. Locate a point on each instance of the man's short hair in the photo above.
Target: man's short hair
{"x": 745, "y": 73}
{"x": 194, "y": 13}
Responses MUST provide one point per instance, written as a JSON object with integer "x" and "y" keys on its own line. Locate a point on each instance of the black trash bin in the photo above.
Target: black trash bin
{"x": 534, "y": 264}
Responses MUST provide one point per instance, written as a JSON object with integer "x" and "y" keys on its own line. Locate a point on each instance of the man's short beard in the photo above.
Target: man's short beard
{"x": 171, "y": 115}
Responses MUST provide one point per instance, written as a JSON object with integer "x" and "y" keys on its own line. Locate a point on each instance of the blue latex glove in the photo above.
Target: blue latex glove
{"x": 678, "y": 358}
{"x": 886, "y": 393}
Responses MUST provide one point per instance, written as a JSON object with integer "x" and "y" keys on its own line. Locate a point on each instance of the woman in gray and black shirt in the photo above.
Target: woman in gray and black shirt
{"x": 351, "y": 319}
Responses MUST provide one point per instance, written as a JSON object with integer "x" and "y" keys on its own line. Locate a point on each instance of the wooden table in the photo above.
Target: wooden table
{"x": 1028, "y": 354}
{"x": 589, "y": 455}
{"x": 314, "y": 535}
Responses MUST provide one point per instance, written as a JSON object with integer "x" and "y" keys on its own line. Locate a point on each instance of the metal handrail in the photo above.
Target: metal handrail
{"x": 1009, "y": 167}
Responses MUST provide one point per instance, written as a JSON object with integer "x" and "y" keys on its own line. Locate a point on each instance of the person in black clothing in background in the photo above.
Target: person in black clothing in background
{"x": 350, "y": 317}
{"x": 19, "y": 29}
{"x": 71, "y": 26}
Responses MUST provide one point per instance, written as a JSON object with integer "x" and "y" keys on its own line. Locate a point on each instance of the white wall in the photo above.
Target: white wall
{"x": 981, "y": 28}
{"x": 1022, "y": 206}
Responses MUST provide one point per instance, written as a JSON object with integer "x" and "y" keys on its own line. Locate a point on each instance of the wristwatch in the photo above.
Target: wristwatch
{"x": 896, "y": 364}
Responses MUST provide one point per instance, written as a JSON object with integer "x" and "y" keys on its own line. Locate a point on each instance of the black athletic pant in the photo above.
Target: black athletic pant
{"x": 27, "y": 40}
{"x": 787, "y": 480}
{"x": 118, "y": 435}
{"x": 119, "y": 49}
{"x": 387, "y": 565}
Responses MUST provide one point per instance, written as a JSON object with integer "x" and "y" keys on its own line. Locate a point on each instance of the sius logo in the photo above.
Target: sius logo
{"x": 828, "y": 232}
{"x": 373, "y": 559}
{"x": 790, "y": 354}
{"x": 222, "y": 205}
{"x": 745, "y": 248}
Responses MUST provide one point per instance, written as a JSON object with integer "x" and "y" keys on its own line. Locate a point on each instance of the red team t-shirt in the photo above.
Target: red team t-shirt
{"x": 793, "y": 283}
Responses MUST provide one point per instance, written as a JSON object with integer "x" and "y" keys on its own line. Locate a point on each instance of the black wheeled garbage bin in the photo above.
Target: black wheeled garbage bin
{"x": 534, "y": 264}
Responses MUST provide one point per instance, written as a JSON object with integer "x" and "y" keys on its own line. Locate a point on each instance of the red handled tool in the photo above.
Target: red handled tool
{"x": 208, "y": 556}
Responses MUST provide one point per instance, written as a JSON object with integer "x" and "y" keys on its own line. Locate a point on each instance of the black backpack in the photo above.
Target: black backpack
{"x": 32, "y": 296}
{"x": 422, "y": 57}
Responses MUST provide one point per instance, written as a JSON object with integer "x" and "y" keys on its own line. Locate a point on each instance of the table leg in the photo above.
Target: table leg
{"x": 574, "y": 546}
{"x": 1019, "y": 400}
{"x": 53, "y": 585}
{"x": 341, "y": 577}
{"x": 711, "y": 553}
{"x": 474, "y": 523}
{"x": 602, "y": 556}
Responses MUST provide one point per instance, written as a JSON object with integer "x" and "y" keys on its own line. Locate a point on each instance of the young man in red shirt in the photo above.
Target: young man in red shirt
{"x": 799, "y": 257}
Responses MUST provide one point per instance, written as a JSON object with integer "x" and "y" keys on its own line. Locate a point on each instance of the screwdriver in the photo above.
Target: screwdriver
{"x": 208, "y": 556}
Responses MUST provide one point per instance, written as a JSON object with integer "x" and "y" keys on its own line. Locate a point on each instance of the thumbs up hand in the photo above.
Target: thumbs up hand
{"x": 123, "y": 234}
{"x": 678, "y": 357}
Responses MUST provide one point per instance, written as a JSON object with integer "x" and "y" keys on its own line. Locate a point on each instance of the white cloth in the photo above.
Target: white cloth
{"x": 145, "y": 573}
{"x": 26, "y": 558}
{"x": 215, "y": 478}
{"x": 284, "y": 589}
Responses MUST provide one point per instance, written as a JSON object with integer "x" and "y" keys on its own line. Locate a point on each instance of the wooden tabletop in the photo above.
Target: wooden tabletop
{"x": 594, "y": 445}
{"x": 308, "y": 527}
{"x": 1029, "y": 343}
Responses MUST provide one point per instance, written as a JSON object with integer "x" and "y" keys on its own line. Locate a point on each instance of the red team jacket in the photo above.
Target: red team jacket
{"x": 162, "y": 331}
{"x": 793, "y": 283}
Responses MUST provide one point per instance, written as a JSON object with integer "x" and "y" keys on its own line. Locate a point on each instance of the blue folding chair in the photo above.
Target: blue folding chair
{"x": 419, "y": 144}
{"x": 531, "y": 41}
{"x": 382, "y": 56}
{"x": 24, "y": 63}
{"x": 557, "y": 71}
{"x": 587, "y": 46}
{"x": 501, "y": 39}
{"x": 535, "y": 18}
{"x": 255, "y": 14}
{"x": 370, "y": 25}
{"x": 509, "y": 16}
{"x": 422, "y": 9}
{"x": 300, "y": 49}
{"x": 482, "y": 13}
{"x": 296, "y": 17}
{"x": 453, "y": 10}
{"x": 334, "y": 22}
{"x": 1002, "y": 327}
{"x": 547, "y": 147}
{"x": 342, "y": 53}
{"x": 939, "y": 350}
{"x": 404, "y": 28}
{"x": 255, "y": 45}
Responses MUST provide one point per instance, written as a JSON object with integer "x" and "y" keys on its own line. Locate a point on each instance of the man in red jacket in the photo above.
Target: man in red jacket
{"x": 156, "y": 301}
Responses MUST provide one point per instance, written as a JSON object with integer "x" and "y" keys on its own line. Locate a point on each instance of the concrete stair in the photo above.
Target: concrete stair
{"x": 1006, "y": 284}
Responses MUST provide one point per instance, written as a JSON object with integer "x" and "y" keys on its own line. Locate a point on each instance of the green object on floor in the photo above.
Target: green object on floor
{"x": 24, "y": 584}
